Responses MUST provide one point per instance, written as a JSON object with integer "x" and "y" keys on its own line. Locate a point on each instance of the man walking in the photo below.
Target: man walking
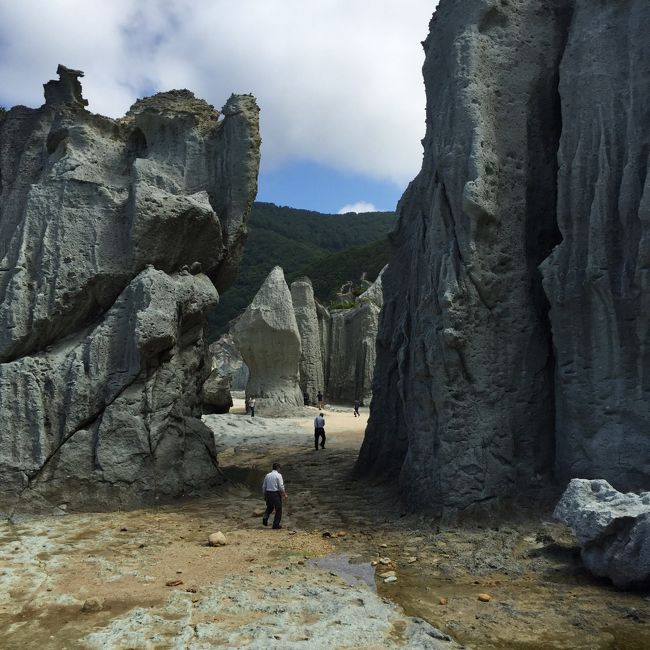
{"x": 357, "y": 404}
{"x": 319, "y": 398}
{"x": 251, "y": 405}
{"x": 319, "y": 431}
{"x": 274, "y": 492}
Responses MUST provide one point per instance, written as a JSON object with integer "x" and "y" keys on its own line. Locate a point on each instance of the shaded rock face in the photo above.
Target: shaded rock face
{"x": 112, "y": 235}
{"x": 351, "y": 347}
{"x": 598, "y": 278}
{"x": 311, "y": 360}
{"x": 226, "y": 359}
{"x": 268, "y": 339}
{"x": 530, "y": 155}
{"x": 613, "y": 530}
{"x": 216, "y": 393}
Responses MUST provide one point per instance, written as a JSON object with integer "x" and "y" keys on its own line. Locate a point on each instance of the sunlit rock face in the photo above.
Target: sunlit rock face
{"x": 113, "y": 235}
{"x": 268, "y": 339}
{"x": 311, "y": 360}
{"x": 535, "y": 156}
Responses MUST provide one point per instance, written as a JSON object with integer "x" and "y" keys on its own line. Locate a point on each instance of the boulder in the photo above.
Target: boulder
{"x": 268, "y": 339}
{"x": 311, "y": 361}
{"x": 217, "y": 539}
{"x": 113, "y": 234}
{"x": 531, "y": 157}
{"x": 613, "y": 530}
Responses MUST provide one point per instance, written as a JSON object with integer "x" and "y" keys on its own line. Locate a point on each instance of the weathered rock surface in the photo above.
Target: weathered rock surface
{"x": 351, "y": 347}
{"x": 112, "y": 233}
{"x": 536, "y": 115}
{"x": 311, "y": 361}
{"x": 613, "y": 530}
{"x": 225, "y": 358}
{"x": 268, "y": 339}
{"x": 216, "y": 393}
{"x": 598, "y": 278}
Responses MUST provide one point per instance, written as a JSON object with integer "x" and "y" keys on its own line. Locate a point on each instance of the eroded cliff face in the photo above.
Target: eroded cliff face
{"x": 535, "y": 114}
{"x": 112, "y": 235}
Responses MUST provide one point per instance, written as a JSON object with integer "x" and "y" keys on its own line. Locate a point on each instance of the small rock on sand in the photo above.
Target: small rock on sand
{"x": 443, "y": 601}
{"x": 485, "y": 598}
{"x": 92, "y": 605}
{"x": 384, "y": 560}
{"x": 390, "y": 579}
{"x": 217, "y": 539}
{"x": 387, "y": 574}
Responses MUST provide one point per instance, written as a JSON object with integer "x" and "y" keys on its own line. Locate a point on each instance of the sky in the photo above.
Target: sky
{"x": 338, "y": 82}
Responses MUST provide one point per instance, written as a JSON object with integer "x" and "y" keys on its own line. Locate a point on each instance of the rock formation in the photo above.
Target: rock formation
{"x": 536, "y": 153}
{"x": 351, "y": 347}
{"x": 225, "y": 357}
{"x": 311, "y": 360}
{"x": 269, "y": 341}
{"x": 113, "y": 235}
{"x": 613, "y": 530}
{"x": 216, "y": 393}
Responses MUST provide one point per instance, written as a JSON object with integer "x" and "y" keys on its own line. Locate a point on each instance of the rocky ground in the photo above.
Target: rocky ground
{"x": 147, "y": 579}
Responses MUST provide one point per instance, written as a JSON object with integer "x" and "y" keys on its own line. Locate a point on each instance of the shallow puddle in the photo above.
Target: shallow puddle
{"x": 344, "y": 568}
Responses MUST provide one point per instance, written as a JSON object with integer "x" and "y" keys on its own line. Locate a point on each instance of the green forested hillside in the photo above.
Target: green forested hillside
{"x": 296, "y": 240}
{"x": 330, "y": 272}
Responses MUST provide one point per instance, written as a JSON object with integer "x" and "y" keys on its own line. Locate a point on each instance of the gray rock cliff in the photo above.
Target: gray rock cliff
{"x": 311, "y": 360}
{"x": 268, "y": 339}
{"x": 226, "y": 359}
{"x": 613, "y": 530}
{"x": 113, "y": 234}
{"x": 351, "y": 347}
{"x": 535, "y": 153}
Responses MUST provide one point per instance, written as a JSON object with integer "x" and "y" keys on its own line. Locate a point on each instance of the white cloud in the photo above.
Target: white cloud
{"x": 338, "y": 82}
{"x": 360, "y": 206}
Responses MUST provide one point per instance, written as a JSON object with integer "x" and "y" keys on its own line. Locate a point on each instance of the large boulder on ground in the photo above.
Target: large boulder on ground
{"x": 351, "y": 346}
{"x": 613, "y": 530}
{"x": 268, "y": 339}
{"x": 536, "y": 138}
{"x": 311, "y": 361}
{"x": 113, "y": 234}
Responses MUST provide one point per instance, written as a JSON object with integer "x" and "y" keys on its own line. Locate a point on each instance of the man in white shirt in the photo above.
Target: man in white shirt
{"x": 319, "y": 431}
{"x": 274, "y": 492}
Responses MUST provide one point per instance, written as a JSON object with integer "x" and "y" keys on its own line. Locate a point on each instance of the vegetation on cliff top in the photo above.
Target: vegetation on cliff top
{"x": 308, "y": 243}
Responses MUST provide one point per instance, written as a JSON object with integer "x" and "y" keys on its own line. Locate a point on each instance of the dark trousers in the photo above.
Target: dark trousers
{"x": 273, "y": 502}
{"x": 319, "y": 433}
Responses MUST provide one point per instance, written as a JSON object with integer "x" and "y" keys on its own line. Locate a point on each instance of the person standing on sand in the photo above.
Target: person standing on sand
{"x": 273, "y": 491}
{"x": 357, "y": 404}
{"x": 251, "y": 405}
{"x": 319, "y": 397}
{"x": 319, "y": 431}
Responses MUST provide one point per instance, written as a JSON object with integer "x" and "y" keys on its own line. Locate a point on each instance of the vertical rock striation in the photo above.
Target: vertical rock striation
{"x": 112, "y": 233}
{"x": 268, "y": 339}
{"x": 311, "y": 361}
{"x": 598, "y": 278}
{"x": 351, "y": 347}
{"x": 535, "y": 156}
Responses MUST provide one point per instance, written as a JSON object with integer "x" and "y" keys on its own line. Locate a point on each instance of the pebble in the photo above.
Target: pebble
{"x": 341, "y": 533}
{"x": 92, "y": 605}
{"x": 374, "y": 563}
{"x": 327, "y": 534}
{"x": 412, "y": 559}
{"x": 390, "y": 579}
{"x": 217, "y": 539}
{"x": 384, "y": 560}
{"x": 387, "y": 574}
{"x": 443, "y": 601}
{"x": 173, "y": 583}
{"x": 485, "y": 598}
{"x": 383, "y": 546}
